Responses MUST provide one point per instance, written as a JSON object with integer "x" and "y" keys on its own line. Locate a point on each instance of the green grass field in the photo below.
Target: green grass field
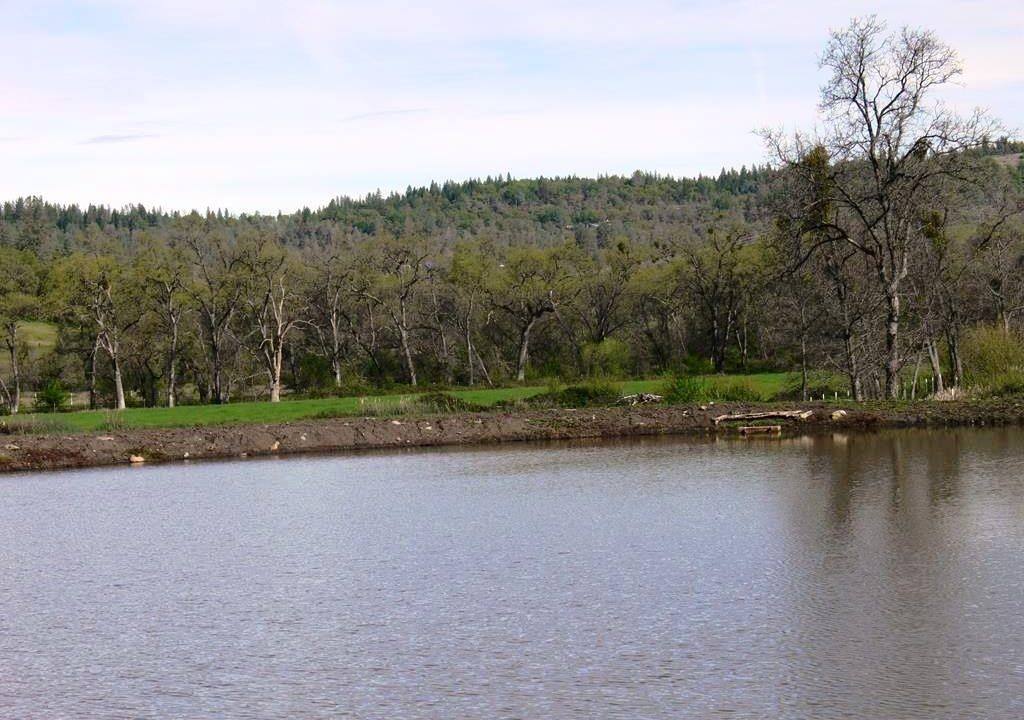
{"x": 766, "y": 384}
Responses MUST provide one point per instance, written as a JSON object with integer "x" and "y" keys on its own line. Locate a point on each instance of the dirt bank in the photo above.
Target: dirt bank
{"x": 49, "y": 452}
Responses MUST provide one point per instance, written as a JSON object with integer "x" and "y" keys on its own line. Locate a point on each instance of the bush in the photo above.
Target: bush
{"x": 34, "y": 425}
{"x": 1008, "y": 384}
{"x": 609, "y": 357}
{"x": 993, "y": 361}
{"x": 739, "y": 391}
{"x": 113, "y": 421}
{"x": 594, "y": 392}
{"x": 52, "y": 398}
{"x": 687, "y": 389}
{"x": 695, "y": 365}
{"x": 684, "y": 389}
{"x": 818, "y": 383}
{"x": 446, "y": 403}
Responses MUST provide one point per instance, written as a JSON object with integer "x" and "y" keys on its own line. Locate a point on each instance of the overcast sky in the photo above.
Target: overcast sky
{"x": 251, "y": 105}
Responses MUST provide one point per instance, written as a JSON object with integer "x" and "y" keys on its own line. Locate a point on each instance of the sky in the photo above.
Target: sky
{"x": 250, "y": 105}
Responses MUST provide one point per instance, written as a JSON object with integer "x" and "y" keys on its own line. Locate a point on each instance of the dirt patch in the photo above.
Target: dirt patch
{"x": 48, "y": 452}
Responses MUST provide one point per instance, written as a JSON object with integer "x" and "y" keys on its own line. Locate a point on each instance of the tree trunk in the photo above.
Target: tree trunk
{"x": 892, "y": 345}
{"x": 803, "y": 367}
{"x": 917, "y": 372}
{"x": 852, "y": 367}
{"x": 803, "y": 353}
{"x": 118, "y": 384}
{"x": 524, "y": 349}
{"x": 955, "y": 361}
{"x": 275, "y": 358}
{"x": 93, "y": 357}
{"x": 15, "y": 399}
{"x": 717, "y": 357}
{"x": 172, "y": 369}
{"x": 933, "y": 358}
{"x": 483, "y": 368}
{"x": 743, "y": 342}
{"x": 410, "y": 366}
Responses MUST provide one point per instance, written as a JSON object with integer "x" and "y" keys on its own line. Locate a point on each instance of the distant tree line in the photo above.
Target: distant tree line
{"x": 870, "y": 246}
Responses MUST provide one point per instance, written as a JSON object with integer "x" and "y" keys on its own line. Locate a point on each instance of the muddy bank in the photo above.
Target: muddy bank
{"x": 50, "y": 452}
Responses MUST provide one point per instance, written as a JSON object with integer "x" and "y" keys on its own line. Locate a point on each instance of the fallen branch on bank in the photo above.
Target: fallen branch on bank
{"x": 640, "y": 399}
{"x": 776, "y": 414}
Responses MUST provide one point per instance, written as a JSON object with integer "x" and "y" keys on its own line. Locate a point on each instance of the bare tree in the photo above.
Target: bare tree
{"x": 720, "y": 269}
{"x": 216, "y": 290}
{"x": 275, "y": 302}
{"x": 329, "y": 296}
{"x": 887, "y": 141}
{"x": 393, "y": 272}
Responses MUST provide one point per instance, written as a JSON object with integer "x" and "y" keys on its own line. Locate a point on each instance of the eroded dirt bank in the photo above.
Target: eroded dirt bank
{"x": 50, "y": 452}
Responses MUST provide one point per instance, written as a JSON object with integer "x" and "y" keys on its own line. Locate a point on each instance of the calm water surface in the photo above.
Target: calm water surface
{"x": 876, "y": 576}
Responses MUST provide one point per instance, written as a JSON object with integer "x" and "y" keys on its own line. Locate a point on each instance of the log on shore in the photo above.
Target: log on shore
{"x": 773, "y": 415}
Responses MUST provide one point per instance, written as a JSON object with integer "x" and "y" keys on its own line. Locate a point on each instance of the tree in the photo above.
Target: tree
{"x": 887, "y": 142}
{"x": 275, "y": 301}
{"x": 392, "y": 272}
{"x": 470, "y": 267}
{"x": 528, "y": 286}
{"x": 328, "y": 301}
{"x": 165, "y": 275}
{"x": 216, "y": 288}
{"x": 19, "y": 280}
{"x": 721, "y": 268}
{"x": 101, "y": 292}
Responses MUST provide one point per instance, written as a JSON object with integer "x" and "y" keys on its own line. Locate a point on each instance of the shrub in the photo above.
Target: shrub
{"x": 113, "y": 421}
{"x": 52, "y": 398}
{"x": 739, "y": 391}
{"x": 608, "y": 357}
{"x": 994, "y": 361}
{"x": 818, "y": 383}
{"x": 446, "y": 403}
{"x": 34, "y": 425}
{"x": 590, "y": 393}
{"x": 1008, "y": 384}
{"x": 684, "y": 389}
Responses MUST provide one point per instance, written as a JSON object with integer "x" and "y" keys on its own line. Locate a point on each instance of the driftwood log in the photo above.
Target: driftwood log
{"x": 773, "y": 415}
{"x": 640, "y": 399}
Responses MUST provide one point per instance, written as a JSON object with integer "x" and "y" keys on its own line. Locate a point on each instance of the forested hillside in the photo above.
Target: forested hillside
{"x": 847, "y": 255}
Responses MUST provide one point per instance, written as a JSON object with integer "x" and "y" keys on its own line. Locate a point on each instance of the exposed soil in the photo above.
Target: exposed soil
{"x": 50, "y": 452}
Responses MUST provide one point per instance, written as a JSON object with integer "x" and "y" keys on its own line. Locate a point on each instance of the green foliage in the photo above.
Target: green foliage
{"x": 1007, "y": 384}
{"x": 691, "y": 389}
{"x": 994, "y": 362}
{"x": 113, "y": 421}
{"x": 442, "y": 402}
{"x": 591, "y": 393}
{"x": 35, "y": 425}
{"x": 684, "y": 389}
{"x": 52, "y": 398}
{"x": 610, "y": 357}
{"x": 695, "y": 365}
{"x": 737, "y": 391}
{"x": 818, "y": 383}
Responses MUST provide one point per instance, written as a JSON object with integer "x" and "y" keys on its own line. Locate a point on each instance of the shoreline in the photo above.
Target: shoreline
{"x": 35, "y": 453}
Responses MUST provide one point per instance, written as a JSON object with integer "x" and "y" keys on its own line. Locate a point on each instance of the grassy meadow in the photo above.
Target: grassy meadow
{"x": 765, "y": 385}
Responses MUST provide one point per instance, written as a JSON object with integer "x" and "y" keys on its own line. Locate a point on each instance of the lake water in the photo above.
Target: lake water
{"x": 863, "y": 576}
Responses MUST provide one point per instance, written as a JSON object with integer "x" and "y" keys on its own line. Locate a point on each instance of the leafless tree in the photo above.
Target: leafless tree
{"x": 887, "y": 141}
